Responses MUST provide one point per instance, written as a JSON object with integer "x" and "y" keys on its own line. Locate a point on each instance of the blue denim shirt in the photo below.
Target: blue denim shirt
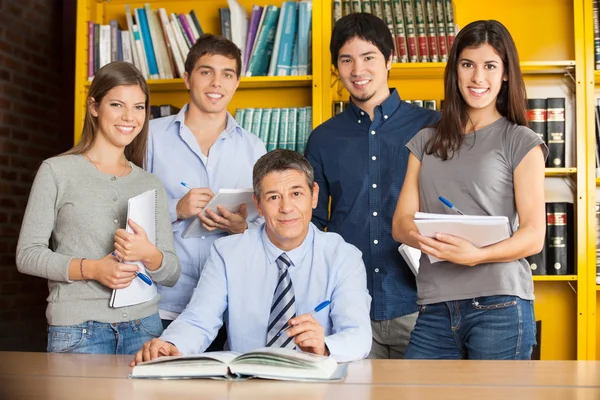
{"x": 361, "y": 164}
{"x": 240, "y": 276}
{"x": 175, "y": 156}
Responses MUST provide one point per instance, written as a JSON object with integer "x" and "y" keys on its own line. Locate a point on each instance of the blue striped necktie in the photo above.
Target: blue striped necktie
{"x": 283, "y": 307}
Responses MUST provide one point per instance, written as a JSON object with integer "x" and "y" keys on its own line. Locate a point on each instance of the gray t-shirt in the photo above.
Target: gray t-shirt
{"x": 73, "y": 212}
{"x": 478, "y": 180}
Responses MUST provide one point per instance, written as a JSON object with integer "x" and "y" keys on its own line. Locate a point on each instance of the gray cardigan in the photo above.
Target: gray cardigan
{"x": 73, "y": 212}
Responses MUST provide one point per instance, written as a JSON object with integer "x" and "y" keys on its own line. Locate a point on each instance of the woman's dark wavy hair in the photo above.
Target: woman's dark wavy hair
{"x": 512, "y": 98}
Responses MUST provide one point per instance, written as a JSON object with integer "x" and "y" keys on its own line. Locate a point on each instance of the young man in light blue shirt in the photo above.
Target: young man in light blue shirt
{"x": 204, "y": 147}
{"x": 245, "y": 275}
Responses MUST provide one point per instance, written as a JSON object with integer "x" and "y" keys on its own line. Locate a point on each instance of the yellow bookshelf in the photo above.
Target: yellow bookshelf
{"x": 555, "y": 43}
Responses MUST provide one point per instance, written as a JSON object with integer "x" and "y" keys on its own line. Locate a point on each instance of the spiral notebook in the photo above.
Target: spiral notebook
{"x": 142, "y": 210}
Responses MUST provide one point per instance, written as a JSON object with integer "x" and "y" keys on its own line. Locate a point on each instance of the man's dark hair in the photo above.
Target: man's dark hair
{"x": 211, "y": 44}
{"x": 280, "y": 160}
{"x": 364, "y": 26}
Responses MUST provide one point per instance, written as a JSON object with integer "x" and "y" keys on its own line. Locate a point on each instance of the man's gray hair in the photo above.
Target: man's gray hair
{"x": 280, "y": 160}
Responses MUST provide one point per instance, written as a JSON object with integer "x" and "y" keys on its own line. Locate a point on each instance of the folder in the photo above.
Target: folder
{"x": 480, "y": 230}
{"x": 232, "y": 200}
{"x": 142, "y": 210}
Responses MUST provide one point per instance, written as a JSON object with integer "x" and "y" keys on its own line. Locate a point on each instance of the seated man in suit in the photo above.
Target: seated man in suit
{"x": 274, "y": 276}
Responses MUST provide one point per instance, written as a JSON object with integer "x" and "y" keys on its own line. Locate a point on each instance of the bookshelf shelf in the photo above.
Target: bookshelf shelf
{"x": 256, "y": 82}
{"x": 560, "y": 171}
{"x": 436, "y": 70}
{"x": 554, "y": 278}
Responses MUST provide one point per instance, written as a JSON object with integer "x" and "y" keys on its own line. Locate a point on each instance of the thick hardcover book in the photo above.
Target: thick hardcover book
{"x": 273, "y": 136}
{"x": 450, "y": 29}
{"x": 346, "y": 7}
{"x": 560, "y": 237}
{"x": 536, "y": 116}
{"x": 409, "y": 27}
{"x": 337, "y": 10}
{"x": 441, "y": 30}
{"x": 420, "y": 30}
{"x": 255, "y": 18}
{"x": 388, "y": 18}
{"x": 365, "y": 6}
{"x": 431, "y": 32}
{"x": 556, "y": 132}
{"x": 377, "y": 10}
{"x": 266, "y": 363}
{"x": 401, "y": 33}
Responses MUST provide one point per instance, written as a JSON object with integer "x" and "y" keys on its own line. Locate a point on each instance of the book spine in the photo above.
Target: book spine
{"x": 388, "y": 18}
{"x": 196, "y": 22}
{"x": 401, "y": 32}
{"x": 156, "y": 45}
{"x": 186, "y": 29}
{"x": 365, "y": 6}
{"x": 338, "y": 107}
{"x": 104, "y": 45}
{"x": 304, "y": 34}
{"x": 288, "y": 36}
{"x": 430, "y": 104}
{"x": 256, "y": 120}
{"x": 134, "y": 52}
{"x": 337, "y": 10}
{"x": 147, "y": 42}
{"x": 432, "y": 41}
{"x": 239, "y": 115}
{"x": 179, "y": 37}
{"x": 171, "y": 42}
{"x": 192, "y": 26}
{"x": 557, "y": 238}
{"x": 114, "y": 41}
{"x": 536, "y": 116}
{"x": 248, "y": 118}
{"x": 126, "y": 46}
{"x": 450, "y": 29}
{"x": 556, "y": 132}
{"x": 274, "y": 129}
{"x": 409, "y": 26}
{"x": 377, "y": 9}
{"x": 225, "y": 17}
{"x": 346, "y": 7}
{"x": 265, "y": 123}
{"x": 283, "y": 129}
{"x": 259, "y": 63}
{"x": 292, "y": 129}
{"x": 301, "y": 131}
{"x": 96, "y": 48}
{"x": 90, "y": 49}
{"x": 139, "y": 46}
{"x": 596, "y": 25}
{"x": 420, "y": 30}
{"x": 255, "y": 18}
{"x": 119, "y": 45}
{"x": 441, "y": 30}
{"x": 356, "y": 6}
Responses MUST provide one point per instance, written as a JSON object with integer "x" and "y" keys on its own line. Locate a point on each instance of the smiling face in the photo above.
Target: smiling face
{"x": 120, "y": 115}
{"x": 364, "y": 71}
{"x": 480, "y": 78}
{"x": 212, "y": 83}
{"x": 286, "y": 203}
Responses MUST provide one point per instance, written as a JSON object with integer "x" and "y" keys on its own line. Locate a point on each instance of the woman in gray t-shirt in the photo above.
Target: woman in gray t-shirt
{"x": 478, "y": 302}
{"x": 73, "y": 229}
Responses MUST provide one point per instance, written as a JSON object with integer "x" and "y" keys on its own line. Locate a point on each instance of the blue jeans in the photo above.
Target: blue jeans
{"x": 100, "y": 338}
{"x": 484, "y": 328}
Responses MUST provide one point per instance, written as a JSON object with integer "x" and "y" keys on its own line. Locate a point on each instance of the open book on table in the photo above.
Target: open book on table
{"x": 480, "y": 230}
{"x": 266, "y": 363}
{"x": 232, "y": 200}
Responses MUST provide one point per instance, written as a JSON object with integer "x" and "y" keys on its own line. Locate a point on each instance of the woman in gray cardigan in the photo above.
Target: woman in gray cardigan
{"x": 73, "y": 229}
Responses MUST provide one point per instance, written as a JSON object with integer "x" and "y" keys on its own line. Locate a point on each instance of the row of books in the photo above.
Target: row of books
{"x": 275, "y": 41}
{"x": 423, "y": 30}
{"x": 547, "y": 118}
{"x": 285, "y": 128}
{"x": 164, "y": 110}
{"x": 340, "y": 106}
{"x": 157, "y": 43}
{"x": 558, "y": 255}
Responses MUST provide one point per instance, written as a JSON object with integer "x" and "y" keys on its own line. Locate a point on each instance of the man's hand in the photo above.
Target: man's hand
{"x": 193, "y": 202}
{"x": 308, "y": 334}
{"x": 153, "y": 349}
{"x": 228, "y": 221}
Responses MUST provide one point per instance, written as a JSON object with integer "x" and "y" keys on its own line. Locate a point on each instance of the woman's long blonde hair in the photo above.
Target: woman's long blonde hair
{"x": 115, "y": 74}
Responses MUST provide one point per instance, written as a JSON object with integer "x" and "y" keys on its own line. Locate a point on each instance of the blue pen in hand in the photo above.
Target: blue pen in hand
{"x": 450, "y": 205}
{"x": 143, "y": 277}
{"x": 316, "y": 310}
{"x": 185, "y": 185}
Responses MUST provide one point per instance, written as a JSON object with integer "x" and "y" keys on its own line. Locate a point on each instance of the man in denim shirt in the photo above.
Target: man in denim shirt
{"x": 360, "y": 160}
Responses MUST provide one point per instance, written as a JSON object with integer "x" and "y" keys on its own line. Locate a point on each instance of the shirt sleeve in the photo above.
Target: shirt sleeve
{"x": 197, "y": 326}
{"x": 169, "y": 271}
{"x": 320, "y": 216}
{"x": 520, "y": 142}
{"x": 349, "y": 311}
{"x": 34, "y": 257}
{"x": 418, "y": 143}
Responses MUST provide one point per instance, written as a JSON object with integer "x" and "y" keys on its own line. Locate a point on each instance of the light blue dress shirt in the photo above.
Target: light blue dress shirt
{"x": 175, "y": 156}
{"x": 240, "y": 276}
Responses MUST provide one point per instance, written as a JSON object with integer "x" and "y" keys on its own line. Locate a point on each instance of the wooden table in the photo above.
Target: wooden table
{"x": 86, "y": 377}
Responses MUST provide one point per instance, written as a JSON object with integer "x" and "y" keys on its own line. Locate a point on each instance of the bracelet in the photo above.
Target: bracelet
{"x": 81, "y": 269}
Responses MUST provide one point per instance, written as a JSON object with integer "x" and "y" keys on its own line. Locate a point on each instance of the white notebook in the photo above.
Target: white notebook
{"x": 231, "y": 199}
{"x": 480, "y": 230}
{"x": 412, "y": 257}
{"x": 142, "y": 210}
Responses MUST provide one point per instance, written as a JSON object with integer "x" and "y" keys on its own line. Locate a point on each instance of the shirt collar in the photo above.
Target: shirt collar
{"x": 388, "y": 107}
{"x": 231, "y": 126}
{"x": 296, "y": 255}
